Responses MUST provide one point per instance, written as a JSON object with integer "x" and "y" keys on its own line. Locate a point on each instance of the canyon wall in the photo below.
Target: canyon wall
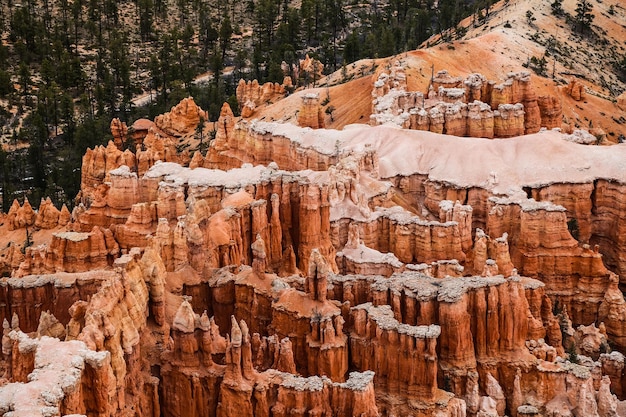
{"x": 253, "y": 280}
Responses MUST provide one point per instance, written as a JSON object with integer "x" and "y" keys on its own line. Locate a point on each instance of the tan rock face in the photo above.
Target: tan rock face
{"x": 310, "y": 114}
{"x": 311, "y": 69}
{"x": 551, "y": 111}
{"x": 71, "y": 252}
{"x": 508, "y": 120}
{"x": 47, "y": 215}
{"x": 21, "y": 216}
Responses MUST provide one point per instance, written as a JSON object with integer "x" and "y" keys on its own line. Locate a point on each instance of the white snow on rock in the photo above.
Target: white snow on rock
{"x": 502, "y": 166}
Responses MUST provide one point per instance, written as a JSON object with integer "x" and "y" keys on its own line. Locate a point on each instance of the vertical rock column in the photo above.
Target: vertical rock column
{"x": 403, "y": 357}
{"x": 311, "y": 114}
{"x": 314, "y": 225}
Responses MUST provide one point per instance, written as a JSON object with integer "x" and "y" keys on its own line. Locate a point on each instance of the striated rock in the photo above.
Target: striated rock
{"x": 480, "y": 120}
{"x": 59, "y": 369}
{"x": 455, "y": 117}
{"x": 156, "y": 148}
{"x": 139, "y": 130}
{"x": 411, "y": 349}
{"x": 591, "y": 341}
{"x": 443, "y": 79}
{"x": 71, "y": 252}
{"x": 50, "y": 326}
{"x": 576, "y": 90}
{"x": 469, "y": 107}
{"x": 612, "y": 312}
{"x": 64, "y": 216}
{"x": 551, "y": 111}
{"x": 24, "y": 215}
{"x": 508, "y": 120}
{"x": 311, "y": 69}
{"x": 310, "y": 114}
{"x": 10, "y": 259}
{"x": 225, "y": 124}
{"x": 253, "y": 289}
{"x": 97, "y": 164}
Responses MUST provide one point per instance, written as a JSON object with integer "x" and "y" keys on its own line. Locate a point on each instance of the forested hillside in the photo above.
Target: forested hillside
{"x": 68, "y": 67}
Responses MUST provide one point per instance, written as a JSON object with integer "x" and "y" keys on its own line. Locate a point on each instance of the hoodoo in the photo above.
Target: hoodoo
{"x": 455, "y": 249}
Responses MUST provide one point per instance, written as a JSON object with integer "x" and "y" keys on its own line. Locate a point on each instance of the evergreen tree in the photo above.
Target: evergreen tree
{"x": 6, "y": 87}
{"x": 25, "y": 80}
{"x": 120, "y": 67}
{"x": 207, "y": 33}
{"x": 557, "y": 7}
{"x": 146, "y": 13}
{"x": 226, "y": 31}
{"x": 583, "y": 16}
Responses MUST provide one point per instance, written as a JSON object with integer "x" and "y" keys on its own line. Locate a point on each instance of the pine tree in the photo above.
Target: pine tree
{"x": 557, "y": 7}
{"x": 584, "y": 17}
{"x": 226, "y": 31}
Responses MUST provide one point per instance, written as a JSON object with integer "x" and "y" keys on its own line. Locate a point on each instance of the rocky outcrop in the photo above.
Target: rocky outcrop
{"x": 71, "y": 252}
{"x": 409, "y": 238}
{"x": 480, "y": 122}
{"x": 311, "y": 70}
{"x": 67, "y": 374}
{"x": 464, "y": 107}
{"x": 403, "y": 358}
{"x": 48, "y": 215}
{"x": 97, "y": 163}
{"x": 544, "y": 248}
{"x": 111, "y": 202}
{"x": 551, "y": 111}
{"x": 182, "y": 120}
{"x": 21, "y": 216}
{"x": 576, "y": 90}
{"x": 310, "y": 113}
{"x": 251, "y": 95}
{"x": 508, "y": 120}
{"x": 26, "y": 298}
{"x": 119, "y": 130}
{"x": 612, "y": 312}
{"x": 139, "y": 130}
{"x": 607, "y": 224}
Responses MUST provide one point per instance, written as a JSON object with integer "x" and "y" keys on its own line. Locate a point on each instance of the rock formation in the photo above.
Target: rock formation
{"x": 452, "y": 276}
{"x": 119, "y": 130}
{"x": 576, "y": 90}
{"x": 182, "y": 119}
{"x": 311, "y": 70}
{"x": 251, "y": 95}
{"x": 311, "y": 114}
{"x": 472, "y": 107}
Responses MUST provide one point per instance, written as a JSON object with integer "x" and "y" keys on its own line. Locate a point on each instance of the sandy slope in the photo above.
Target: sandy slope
{"x": 494, "y": 50}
